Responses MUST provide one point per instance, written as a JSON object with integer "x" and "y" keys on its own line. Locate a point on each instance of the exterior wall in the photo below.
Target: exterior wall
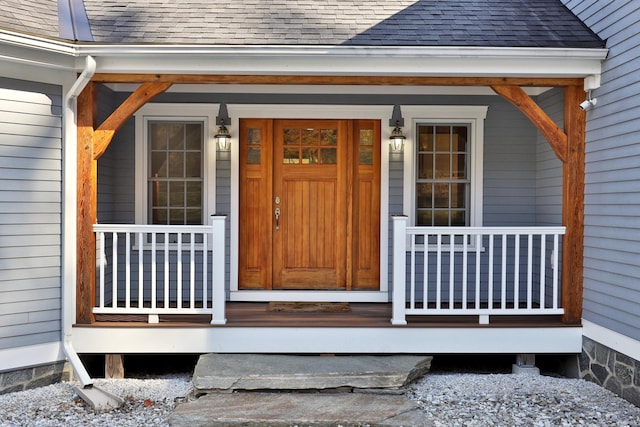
{"x": 611, "y": 369}
{"x": 33, "y": 377}
{"x": 30, "y": 213}
{"x": 612, "y": 199}
{"x": 548, "y": 182}
{"x": 30, "y": 234}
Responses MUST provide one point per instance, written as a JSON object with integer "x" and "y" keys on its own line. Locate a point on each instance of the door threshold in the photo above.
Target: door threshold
{"x": 310, "y": 296}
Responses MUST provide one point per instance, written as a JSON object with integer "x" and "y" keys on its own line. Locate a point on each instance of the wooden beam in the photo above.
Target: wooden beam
{"x": 573, "y": 206}
{"x": 334, "y": 80}
{"x": 86, "y": 207}
{"x": 114, "y": 366}
{"x": 554, "y": 135}
{"x": 105, "y": 132}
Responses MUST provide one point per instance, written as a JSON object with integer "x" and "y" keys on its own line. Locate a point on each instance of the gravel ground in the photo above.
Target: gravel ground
{"x": 447, "y": 399}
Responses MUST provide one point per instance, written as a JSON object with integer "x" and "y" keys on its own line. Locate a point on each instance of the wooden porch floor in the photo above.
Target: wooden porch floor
{"x": 362, "y": 315}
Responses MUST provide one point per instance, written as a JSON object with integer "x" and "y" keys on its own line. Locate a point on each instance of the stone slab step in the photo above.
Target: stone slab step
{"x": 298, "y": 409}
{"x": 230, "y": 372}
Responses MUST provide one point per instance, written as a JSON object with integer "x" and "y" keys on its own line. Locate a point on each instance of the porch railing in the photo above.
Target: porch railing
{"x": 481, "y": 271}
{"x": 158, "y": 269}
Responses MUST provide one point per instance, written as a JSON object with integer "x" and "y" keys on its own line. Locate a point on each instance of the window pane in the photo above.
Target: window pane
{"x": 176, "y": 194}
{"x": 176, "y": 164}
{"x": 425, "y": 166}
{"x": 440, "y": 218}
{"x": 310, "y": 136}
{"x": 309, "y": 156}
{"x": 158, "y": 164}
{"x": 158, "y": 193}
{"x": 366, "y": 136}
{"x": 424, "y": 195}
{"x": 425, "y": 138}
{"x": 458, "y": 218}
{"x": 158, "y": 136}
{"x": 176, "y": 137}
{"x": 176, "y": 216}
{"x": 366, "y": 156}
{"x": 194, "y": 194}
{"x": 194, "y": 163}
{"x": 291, "y": 155}
{"x": 459, "y": 166}
{"x": 329, "y": 137}
{"x": 460, "y": 138}
{"x": 425, "y": 217}
{"x": 328, "y": 156}
{"x": 253, "y": 156}
{"x": 441, "y": 195}
{"x": 194, "y": 216}
{"x": 443, "y": 138}
{"x": 291, "y": 136}
{"x": 458, "y": 196}
{"x": 194, "y": 136}
{"x": 159, "y": 216}
{"x": 443, "y": 167}
{"x": 254, "y": 137}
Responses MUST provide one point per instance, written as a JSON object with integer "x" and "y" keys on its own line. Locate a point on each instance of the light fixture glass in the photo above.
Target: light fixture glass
{"x": 397, "y": 139}
{"x": 223, "y": 138}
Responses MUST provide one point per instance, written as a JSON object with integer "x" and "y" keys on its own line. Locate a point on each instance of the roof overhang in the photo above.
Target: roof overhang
{"x": 346, "y": 60}
{"x": 303, "y": 60}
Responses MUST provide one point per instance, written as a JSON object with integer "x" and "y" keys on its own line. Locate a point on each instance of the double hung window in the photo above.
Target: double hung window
{"x": 442, "y": 175}
{"x": 443, "y": 165}
{"x": 175, "y": 164}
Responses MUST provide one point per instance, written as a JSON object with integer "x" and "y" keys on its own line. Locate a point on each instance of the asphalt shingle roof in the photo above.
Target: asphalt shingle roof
{"x": 30, "y": 17}
{"x": 494, "y": 23}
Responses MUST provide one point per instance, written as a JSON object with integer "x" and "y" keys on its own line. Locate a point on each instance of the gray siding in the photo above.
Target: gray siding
{"x": 30, "y": 213}
{"x": 612, "y": 192}
{"x": 548, "y": 166}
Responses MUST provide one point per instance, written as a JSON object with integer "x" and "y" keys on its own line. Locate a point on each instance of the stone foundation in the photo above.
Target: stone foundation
{"x": 610, "y": 369}
{"x": 33, "y": 377}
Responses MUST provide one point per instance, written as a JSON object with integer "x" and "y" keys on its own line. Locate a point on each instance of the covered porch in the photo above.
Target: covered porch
{"x": 441, "y": 289}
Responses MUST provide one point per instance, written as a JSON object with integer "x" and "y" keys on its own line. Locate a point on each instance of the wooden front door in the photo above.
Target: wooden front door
{"x": 309, "y": 204}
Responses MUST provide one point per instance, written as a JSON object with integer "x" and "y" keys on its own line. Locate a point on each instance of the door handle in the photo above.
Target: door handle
{"x": 277, "y": 214}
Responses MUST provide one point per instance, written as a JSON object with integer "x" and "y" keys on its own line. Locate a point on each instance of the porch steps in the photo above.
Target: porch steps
{"x": 285, "y": 390}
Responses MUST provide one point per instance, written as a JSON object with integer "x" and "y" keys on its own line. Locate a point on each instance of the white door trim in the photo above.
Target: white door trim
{"x": 290, "y": 111}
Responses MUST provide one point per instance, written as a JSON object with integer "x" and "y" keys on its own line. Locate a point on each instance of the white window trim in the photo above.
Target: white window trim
{"x": 472, "y": 115}
{"x": 180, "y": 112}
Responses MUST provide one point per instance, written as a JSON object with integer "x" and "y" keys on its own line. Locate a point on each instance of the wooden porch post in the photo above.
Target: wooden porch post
{"x": 92, "y": 143}
{"x": 86, "y": 212}
{"x": 573, "y": 205}
{"x": 569, "y": 146}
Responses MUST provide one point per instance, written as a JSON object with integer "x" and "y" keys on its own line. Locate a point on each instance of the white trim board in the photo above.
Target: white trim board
{"x": 28, "y": 356}
{"x": 311, "y": 296}
{"x": 396, "y": 340}
{"x": 614, "y": 340}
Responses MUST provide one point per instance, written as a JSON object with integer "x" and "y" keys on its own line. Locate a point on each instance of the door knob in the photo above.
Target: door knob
{"x": 277, "y": 213}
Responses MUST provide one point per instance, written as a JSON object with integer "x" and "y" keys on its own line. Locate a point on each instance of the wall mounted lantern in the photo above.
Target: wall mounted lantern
{"x": 223, "y": 137}
{"x": 396, "y": 140}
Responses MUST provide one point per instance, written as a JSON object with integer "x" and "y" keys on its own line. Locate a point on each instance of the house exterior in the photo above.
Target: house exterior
{"x": 610, "y": 308}
{"x": 128, "y": 229}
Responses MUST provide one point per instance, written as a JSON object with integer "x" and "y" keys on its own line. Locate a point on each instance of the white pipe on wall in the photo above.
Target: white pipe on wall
{"x": 69, "y": 276}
